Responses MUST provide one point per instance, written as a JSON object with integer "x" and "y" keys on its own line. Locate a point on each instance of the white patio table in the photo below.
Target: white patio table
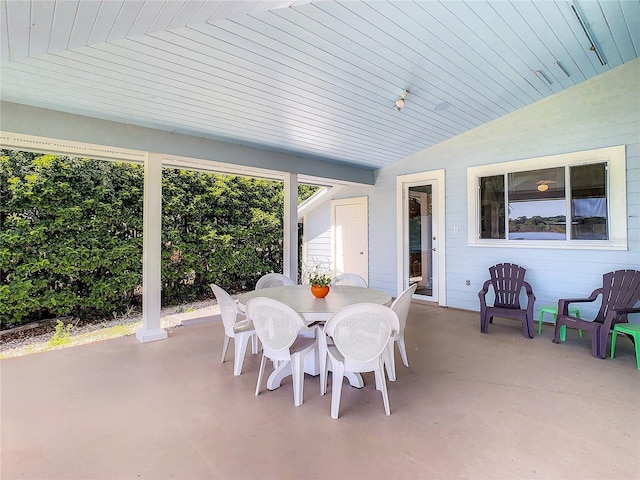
{"x": 312, "y": 309}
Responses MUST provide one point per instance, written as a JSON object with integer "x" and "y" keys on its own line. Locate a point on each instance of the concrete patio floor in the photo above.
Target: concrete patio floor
{"x": 494, "y": 406}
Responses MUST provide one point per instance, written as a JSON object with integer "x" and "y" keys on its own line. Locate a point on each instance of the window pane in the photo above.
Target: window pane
{"x": 492, "y": 207}
{"x": 589, "y": 202}
{"x": 537, "y": 205}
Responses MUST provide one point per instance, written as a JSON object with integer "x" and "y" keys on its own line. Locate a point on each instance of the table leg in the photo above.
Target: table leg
{"x": 355, "y": 379}
{"x": 275, "y": 379}
{"x": 311, "y": 367}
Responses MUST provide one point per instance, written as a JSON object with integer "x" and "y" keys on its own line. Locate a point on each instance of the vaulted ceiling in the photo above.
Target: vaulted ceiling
{"x": 317, "y": 79}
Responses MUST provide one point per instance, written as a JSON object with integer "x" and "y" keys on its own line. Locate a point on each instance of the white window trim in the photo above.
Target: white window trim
{"x": 616, "y": 201}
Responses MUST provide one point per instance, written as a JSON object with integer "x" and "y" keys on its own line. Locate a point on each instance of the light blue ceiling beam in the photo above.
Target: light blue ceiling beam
{"x": 27, "y": 120}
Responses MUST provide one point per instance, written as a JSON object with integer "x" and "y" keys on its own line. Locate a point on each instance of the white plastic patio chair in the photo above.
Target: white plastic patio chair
{"x": 273, "y": 280}
{"x": 236, "y": 326}
{"x": 352, "y": 279}
{"x": 401, "y": 306}
{"x": 279, "y": 328}
{"x": 360, "y": 335}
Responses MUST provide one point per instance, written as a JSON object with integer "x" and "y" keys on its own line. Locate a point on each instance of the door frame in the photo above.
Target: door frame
{"x": 437, "y": 179}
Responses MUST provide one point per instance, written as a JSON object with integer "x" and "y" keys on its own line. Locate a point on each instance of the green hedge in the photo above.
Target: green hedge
{"x": 71, "y": 235}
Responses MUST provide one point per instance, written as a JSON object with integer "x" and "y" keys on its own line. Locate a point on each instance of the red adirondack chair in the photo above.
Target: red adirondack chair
{"x": 507, "y": 280}
{"x": 620, "y": 293}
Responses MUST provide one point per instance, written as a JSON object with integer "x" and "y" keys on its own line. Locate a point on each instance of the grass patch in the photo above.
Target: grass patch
{"x": 67, "y": 336}
{"x": 62, "y": 338}
{"x": 107, "y": 333}
{"x": 61, "y": 335}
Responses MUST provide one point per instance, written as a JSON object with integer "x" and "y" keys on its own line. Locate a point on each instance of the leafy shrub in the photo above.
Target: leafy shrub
{"x": 71, "y": 235}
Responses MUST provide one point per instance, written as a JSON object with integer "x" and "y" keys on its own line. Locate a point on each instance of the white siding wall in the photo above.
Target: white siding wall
{"x": 317, "y": 238}
{"x": 599, "y": 113}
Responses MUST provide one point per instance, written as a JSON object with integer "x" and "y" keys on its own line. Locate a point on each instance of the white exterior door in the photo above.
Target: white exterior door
{"x": 421, "y": 254}
{"x": 350, "y": 245}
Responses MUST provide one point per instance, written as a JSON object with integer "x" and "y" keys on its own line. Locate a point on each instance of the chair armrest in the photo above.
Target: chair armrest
{"x": 612, "y": 314}
{"x": 531, "y": 299}
{"x": 530, "y": 296}
{"x": 485, "y": 289}
{"x": 482, "y": 293}
{"x": 563, "y": 303}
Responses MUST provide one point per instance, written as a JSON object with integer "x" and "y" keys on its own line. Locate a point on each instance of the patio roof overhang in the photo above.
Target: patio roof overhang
{"x": 113, "y": 140}
{"x": 311, "y": 79}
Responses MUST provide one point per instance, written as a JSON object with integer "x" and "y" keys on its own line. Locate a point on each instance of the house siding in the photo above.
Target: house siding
{"x": 317, "y": 238}
{"x": 601, "y": 112}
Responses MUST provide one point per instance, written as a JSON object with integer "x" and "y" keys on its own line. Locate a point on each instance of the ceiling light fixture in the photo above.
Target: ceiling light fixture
{"x": 590, "y": 37}
{"x": 399, "y": 105}
{"x": 543, "y": 185}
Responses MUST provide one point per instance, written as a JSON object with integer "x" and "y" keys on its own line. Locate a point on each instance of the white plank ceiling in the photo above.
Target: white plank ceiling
{"x": 317, "y": 79}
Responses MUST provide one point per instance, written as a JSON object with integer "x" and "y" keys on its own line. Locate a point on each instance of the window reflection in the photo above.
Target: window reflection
{"x": 589, "y": 202}
{"x": 537, "y": 208}
{"x": 536, "y": 204}
{"x": 537, "y": 220}
{"x": 492, "y": 207}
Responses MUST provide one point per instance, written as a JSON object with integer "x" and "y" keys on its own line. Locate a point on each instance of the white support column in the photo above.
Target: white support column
{"x": 151, "y": 251}
{"x": 290, "y": 264}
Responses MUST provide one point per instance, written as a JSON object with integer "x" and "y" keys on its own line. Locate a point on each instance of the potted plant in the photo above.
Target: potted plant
{"x": 320, "y": 280}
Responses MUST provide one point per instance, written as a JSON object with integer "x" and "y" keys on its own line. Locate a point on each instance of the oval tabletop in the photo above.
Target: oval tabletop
{"x": 300, "y": 298}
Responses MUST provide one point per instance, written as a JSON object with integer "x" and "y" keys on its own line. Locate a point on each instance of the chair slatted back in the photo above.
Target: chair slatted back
{"x": 620, "y": 289}
{"x": 507, "y": 280}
